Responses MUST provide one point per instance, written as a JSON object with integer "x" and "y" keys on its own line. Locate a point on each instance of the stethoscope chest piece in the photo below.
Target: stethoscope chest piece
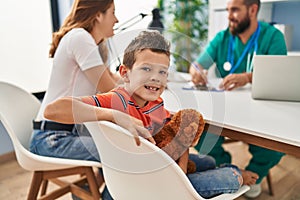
{"x": 227, "y": 66}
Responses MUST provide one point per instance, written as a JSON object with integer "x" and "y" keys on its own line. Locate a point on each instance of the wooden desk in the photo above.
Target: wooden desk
{"x": 270, "y": 124}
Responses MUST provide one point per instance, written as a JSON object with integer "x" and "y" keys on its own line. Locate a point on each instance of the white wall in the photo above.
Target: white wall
{"x": 125, "y": 10}
{"x": 25, "y": 37}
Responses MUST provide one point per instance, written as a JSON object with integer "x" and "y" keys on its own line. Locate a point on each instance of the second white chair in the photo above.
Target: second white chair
{"x": 141, "y": 172}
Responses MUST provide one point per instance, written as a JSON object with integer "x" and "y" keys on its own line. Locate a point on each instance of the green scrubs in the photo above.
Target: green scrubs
{"x": 270, "y": 42}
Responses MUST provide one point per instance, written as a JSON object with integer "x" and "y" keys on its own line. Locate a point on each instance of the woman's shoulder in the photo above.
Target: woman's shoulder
{"x": 77, "y": 32}
{"x": 78, "y": 37}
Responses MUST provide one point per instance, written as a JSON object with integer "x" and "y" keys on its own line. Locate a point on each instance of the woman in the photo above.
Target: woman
{"x": 78, "y": 69}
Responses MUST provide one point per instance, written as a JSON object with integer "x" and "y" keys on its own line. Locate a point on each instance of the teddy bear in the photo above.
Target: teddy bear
{"x": 181, "y": 132}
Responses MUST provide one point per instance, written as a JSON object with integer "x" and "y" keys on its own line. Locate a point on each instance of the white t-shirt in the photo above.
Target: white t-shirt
{"x": 76, "y": 52}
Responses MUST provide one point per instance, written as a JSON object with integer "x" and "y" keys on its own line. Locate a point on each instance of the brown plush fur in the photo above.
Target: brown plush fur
{"x": 182, "y": 132}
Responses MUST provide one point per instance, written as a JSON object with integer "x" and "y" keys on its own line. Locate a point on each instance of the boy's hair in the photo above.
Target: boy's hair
{"x": 152, "y": 40}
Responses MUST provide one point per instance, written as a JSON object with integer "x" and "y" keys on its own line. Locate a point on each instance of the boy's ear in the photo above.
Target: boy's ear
{"x": 123, "y": 70}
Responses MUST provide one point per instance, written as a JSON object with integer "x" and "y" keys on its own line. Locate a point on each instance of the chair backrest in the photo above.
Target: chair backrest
{"x": 17, "y": 110}
{"x": 141, "y": 172}
{"x": 137, "y": 172}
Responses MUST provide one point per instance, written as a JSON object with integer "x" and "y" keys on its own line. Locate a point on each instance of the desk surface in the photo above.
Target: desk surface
{"x": 270, "y": 124}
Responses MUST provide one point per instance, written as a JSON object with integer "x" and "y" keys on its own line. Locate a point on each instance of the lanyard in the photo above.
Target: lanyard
{"x": 250, "y": 63}
{"x": 230, "y": 55}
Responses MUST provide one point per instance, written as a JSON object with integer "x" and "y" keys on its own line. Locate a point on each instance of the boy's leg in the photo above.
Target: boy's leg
{"x": 262, "y": 160}
{"x": 203, "y": 162}
{"x": 216, "y": 181}
{"x": 211, "y": 144}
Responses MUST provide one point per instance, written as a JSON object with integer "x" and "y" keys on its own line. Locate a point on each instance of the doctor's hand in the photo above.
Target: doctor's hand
{"x": 233, "y": 81}
{"x": 198, "y": 75}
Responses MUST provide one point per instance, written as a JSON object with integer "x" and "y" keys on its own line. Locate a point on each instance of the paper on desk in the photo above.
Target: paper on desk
{"x": 212, "y": 85}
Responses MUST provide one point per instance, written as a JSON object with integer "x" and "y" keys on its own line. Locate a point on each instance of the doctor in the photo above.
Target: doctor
{"x": 232, "y": 51}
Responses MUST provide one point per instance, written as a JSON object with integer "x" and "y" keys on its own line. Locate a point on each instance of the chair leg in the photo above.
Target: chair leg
{"x": 40, "y": 181}
{"x": 44, "y": 187}
{"x": 37, "y": 179}
{"x": 92, "y": 181}
{"x": 270, "y": 186}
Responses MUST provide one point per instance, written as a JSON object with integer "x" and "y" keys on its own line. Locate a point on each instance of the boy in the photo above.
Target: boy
{"x": 144, "y": 71}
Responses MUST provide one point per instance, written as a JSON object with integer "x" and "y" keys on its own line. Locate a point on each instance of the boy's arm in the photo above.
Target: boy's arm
{"x": 70, "y": 110}
{"x": 183, "y": 161}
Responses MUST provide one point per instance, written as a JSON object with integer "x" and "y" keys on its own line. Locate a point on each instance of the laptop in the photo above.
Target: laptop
{"x": 276, "y": 77}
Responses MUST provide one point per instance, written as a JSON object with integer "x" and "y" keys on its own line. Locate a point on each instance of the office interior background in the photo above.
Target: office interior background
{"x": 27, "y": 30}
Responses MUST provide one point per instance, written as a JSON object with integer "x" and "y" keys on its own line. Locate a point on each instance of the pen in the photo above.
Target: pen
{"x": 200, "y": 71}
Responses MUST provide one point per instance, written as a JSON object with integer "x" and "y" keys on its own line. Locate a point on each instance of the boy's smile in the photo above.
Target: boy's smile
{"x": 147, "y": 79}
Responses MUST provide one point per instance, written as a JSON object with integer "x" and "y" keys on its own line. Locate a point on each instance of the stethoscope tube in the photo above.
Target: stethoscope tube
{"x": 228, "y": 65}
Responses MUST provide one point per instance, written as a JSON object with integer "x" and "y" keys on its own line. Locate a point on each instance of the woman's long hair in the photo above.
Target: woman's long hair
{"x": 82, "y": 15}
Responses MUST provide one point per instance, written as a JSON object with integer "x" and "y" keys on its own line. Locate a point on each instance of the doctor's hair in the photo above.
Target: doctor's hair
{"x": 251, "y": 2}
{"x": 151, "y": 40}
{"x": 83, "y": 15}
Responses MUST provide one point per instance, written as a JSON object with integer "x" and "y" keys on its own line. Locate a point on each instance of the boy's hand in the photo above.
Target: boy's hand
{"x": 133, "y": 125}
{"x": 139, "y": 130}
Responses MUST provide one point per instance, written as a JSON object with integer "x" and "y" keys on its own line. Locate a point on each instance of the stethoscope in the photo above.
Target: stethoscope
{"x": 229, "y": 64}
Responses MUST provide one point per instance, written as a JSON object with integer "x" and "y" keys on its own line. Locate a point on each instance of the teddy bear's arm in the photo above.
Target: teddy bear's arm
{"x": 183, "y": 161}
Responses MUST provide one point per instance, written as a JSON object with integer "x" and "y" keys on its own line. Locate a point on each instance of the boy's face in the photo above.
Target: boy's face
{"x": 147, "y": 79}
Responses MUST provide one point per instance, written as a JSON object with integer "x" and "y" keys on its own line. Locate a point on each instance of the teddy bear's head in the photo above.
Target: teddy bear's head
{"x": 185, "y": 127}
{"x": 181, "y": 132}
{"x": 188, "y": 125}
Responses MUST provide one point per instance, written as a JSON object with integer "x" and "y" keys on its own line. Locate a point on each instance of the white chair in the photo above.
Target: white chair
{"x": 17, "y": 110}
{"x": 141, "y": 172}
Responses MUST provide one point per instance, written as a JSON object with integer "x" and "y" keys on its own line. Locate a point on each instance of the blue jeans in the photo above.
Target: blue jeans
{"x": 77, "y": 144}
{"x": 210, "y": 181}
{"x": 261, "y": 162}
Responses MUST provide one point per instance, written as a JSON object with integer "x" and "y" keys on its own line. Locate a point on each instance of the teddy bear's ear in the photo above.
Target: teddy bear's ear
{"x": 201, "y": 125}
